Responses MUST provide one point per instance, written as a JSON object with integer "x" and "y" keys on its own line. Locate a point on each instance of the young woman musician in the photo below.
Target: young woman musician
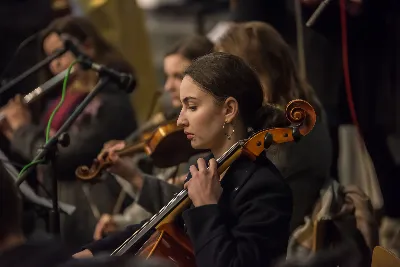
{"x": 148, "y": 201}
{"x": 306, "y": 164}
{"x": 240, "y": 218}
{"x": 96, "y": 124}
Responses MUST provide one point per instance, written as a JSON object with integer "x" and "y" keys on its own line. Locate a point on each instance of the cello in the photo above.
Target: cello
{"x": 168, "y": 241}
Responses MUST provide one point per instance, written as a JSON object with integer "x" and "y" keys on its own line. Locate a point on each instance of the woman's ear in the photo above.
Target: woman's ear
{"x": 231, "y": 109}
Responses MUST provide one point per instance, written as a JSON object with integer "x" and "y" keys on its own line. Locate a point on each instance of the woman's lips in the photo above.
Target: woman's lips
{"x": 189, "y": 136}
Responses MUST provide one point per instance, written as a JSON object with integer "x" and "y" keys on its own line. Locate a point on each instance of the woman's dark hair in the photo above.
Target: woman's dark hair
{"x": 83, "y": 31}
{"x": 224, "y": 75}
{"x": 10, "y": 205}
{"x": 192, "y": 47}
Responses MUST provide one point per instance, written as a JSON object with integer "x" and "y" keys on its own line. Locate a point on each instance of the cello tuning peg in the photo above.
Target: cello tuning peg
{"x": 296, "y": 134}
{"x": 268, "y": 140}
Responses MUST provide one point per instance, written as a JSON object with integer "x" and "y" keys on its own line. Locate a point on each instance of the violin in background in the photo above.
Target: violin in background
{"x": 161, "y": 145}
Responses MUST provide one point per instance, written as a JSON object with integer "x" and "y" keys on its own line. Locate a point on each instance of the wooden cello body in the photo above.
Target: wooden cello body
{"x": 169, "y": 241}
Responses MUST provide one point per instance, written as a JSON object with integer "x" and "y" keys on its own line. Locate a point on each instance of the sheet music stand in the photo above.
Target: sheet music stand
{"x": 28, "y": 192}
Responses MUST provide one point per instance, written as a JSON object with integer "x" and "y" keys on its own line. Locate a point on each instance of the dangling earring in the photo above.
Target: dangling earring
{"x": 229, "y": 136}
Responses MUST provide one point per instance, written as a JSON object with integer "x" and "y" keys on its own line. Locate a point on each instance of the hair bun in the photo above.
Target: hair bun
{"x": 269, "y": 116}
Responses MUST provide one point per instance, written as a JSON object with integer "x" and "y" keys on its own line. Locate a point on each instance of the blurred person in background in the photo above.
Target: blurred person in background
{"x": 149, "y": 201}
{"x": 305, "y": 165}
{"x": 373, "y": 41}
{"x": 373, "y": 29}
{"x": 95, "y": 125}
{"x": 20, "y": 23}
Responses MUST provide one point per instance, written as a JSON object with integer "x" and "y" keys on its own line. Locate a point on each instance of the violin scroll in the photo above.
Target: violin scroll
{"x": 89, "y": 173}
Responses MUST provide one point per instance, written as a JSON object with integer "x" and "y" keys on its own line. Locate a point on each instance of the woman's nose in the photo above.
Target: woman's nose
{"x": 182, "y": 121}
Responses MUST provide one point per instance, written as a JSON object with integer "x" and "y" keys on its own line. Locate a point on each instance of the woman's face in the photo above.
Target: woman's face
{"x": 51, "y": 44}
{"x": 174, "y": 66}
{"x": 201, "y": 117}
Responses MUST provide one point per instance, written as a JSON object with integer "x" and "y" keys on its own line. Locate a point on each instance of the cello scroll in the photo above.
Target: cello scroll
{"x": 302, "y": 118}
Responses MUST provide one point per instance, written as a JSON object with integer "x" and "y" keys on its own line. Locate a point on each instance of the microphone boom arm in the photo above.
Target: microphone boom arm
{"x": 32, "y": 70}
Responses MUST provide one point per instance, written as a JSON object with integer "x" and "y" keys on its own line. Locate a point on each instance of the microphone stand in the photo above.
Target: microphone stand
{"x": 49, "y": 151}
{"x": 33, "y": 69}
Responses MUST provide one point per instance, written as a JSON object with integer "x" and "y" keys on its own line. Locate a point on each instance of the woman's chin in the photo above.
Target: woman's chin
{"x": 196, "y": 145}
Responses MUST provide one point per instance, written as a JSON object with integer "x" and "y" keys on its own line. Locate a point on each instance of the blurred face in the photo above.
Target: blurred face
{"x": 174, "y": 66}
{"x": 52, "y": 43}
{"x": 201, "y": 117}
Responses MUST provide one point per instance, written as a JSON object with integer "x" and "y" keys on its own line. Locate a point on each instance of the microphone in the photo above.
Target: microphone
{"x": 41, "y": 90}
{"x": 124, "y": 80}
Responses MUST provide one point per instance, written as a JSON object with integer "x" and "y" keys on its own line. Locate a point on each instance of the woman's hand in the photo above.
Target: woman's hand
{"x": 105, "y": 225}
{"x": 122, "y": 166}
{"x": 16, "y": 115}
{"x": 83, "y": 254}
{"x": 204, "y": 187}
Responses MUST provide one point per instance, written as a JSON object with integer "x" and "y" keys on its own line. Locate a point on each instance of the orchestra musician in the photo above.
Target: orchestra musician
{"x": 242, "y": 217}
{"x": 176, "y": 60}
{"x": 304, "y": 165}
{"x": 96, "y": 125}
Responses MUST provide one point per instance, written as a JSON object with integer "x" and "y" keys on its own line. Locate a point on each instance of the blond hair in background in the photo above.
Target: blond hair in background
{"x": 265, "y": 50}
{"x": 122, "y": 23}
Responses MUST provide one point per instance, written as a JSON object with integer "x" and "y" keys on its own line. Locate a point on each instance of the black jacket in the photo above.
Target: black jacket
{"x": 248, "y": 227}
